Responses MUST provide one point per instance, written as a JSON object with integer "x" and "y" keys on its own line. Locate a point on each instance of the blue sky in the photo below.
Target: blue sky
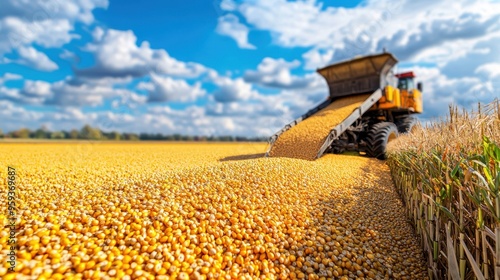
{"x": 223, "y": 66}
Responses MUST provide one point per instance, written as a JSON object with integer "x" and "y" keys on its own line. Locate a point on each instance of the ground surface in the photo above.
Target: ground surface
{"x": 105, "y": 210}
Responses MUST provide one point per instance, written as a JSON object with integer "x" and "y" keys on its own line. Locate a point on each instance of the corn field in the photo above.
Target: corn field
{"x": 448, "y": 175}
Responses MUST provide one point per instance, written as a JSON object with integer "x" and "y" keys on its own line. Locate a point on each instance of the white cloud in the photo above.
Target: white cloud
{"x": 491, "y": 70}
{"x": 48, "y": 23}
{"x": 67, "y": 55}
{"x": 128, "y": 100}
{"x": 36, "y": 88}
{"x": 9, "y": 77}
{"x": 36, "y": 10}
{"x": 291, "y": 23}
{"x": 15, "y": 117}
{"x": 340, "y": 33}
{"x": 162, "y": 89}
{"x": 109, "y": 121}
{"x": 194, "y": 120}
{"x": 16, "y": 32}
{"x": 31, "y": 57}
{"x": 257, "y": 116}
{"x": 117, "y": 55}
{"x": 98, "y": 34}
{"x": 275, "y": 73}
{"x": 228, "y": 124}
{"x": 481, "y": 52}
{"x": 316, "y": 58}
{"x": 147, "y": 86}
{"x": 459, "y": 40}
{"x": 228, "y": 109}
{"x": 229, "y": 25}
{"x": 232, "y": 90}
{"x": 168, "y": 120}
{"x": 440, "y": 91}
{"x": 32, "y": 92}
{"x": 66, "y": 93}
{"x": 228, "y": 5}
{"x": 69, "y": 114}
{"x": 14, "y": 95}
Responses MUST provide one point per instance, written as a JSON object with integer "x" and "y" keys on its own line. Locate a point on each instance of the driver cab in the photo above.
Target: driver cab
{"x": 406, "y": 82}
{"x": 400, "y": 93}
{"x": 411, "y": 97}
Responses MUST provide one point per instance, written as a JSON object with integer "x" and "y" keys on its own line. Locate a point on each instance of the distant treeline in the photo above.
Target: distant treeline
{"x": 90, "y": 133}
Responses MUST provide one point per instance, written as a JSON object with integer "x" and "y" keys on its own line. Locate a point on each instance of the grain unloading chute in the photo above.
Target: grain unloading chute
{"x": 365, "y": 109}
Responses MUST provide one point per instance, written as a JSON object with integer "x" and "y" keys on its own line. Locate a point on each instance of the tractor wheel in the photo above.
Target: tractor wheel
{"x": 378, "y": 137}
{"x": 406, "y": 124}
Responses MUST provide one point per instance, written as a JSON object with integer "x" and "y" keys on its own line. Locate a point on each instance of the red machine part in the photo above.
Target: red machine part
{"x": 406, "y": 75}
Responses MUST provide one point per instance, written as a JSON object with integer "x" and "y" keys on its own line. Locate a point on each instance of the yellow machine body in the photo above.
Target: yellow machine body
{"x": 396, "y": 99}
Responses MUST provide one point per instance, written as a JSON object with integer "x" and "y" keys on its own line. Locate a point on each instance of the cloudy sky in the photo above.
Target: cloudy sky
{"x": 217, "y": 67}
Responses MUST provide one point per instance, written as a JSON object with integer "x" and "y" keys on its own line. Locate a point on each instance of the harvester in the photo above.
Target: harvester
{"x": 389, "y": 109}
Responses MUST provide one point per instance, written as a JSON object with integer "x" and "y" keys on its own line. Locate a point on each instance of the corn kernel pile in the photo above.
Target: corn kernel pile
{"x": 311, "y": 133}
{"x": 180, "y": 211}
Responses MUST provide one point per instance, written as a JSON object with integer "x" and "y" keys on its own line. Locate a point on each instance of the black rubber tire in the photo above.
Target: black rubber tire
{"x": 406, "y": 124}
{"x": 378, "y": 137}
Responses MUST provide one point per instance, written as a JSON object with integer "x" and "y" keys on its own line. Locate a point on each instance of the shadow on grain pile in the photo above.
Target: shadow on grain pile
{"x": 243, "y": 157}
